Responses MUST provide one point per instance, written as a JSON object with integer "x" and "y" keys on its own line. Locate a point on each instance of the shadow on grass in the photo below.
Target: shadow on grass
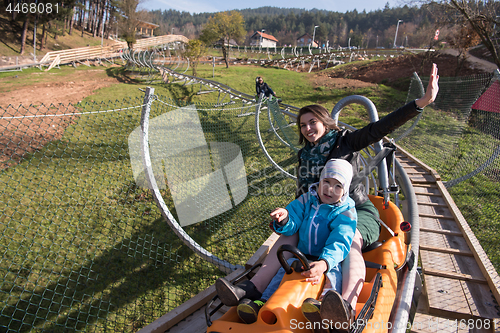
{"x": 133, "y": 281}
{"x": 121, "y": 75}
{"x": 11, "y": 31}
{"x": 122, "y": 275}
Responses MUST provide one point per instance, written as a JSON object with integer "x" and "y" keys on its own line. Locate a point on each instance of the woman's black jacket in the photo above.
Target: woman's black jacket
{"x": 348, "y": 145}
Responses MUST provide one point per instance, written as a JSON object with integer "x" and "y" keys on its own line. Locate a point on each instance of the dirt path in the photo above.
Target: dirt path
{"x": 21, "y": 96}
{"x": 392, "y": 70}
{"x": 475, "y": 62}
{"x": 50, "y": 88}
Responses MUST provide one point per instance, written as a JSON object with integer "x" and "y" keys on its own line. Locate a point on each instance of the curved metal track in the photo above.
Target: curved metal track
{"x": 407, "y": 281}
{"x": 148, "y": 170}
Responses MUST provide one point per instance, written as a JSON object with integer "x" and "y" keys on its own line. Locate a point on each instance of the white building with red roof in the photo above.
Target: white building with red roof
{"x": 262, "y": 39}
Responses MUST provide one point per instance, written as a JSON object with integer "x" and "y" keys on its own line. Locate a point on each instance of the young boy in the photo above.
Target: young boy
{"x": 325, "y": 220}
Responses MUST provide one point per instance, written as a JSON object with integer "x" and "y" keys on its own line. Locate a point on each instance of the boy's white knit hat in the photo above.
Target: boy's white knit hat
{"x": 338, "y": 169}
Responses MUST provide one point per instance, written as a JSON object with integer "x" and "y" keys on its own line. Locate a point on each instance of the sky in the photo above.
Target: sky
{"x": 212, "y": 6}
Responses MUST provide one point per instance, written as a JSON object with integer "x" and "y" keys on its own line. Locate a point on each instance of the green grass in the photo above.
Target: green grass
{"x": 292, "y": 87}
{"x": 86, "y": 249}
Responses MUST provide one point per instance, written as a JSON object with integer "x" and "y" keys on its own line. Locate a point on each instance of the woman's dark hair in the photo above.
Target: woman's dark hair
{"x": 319, "y": 112}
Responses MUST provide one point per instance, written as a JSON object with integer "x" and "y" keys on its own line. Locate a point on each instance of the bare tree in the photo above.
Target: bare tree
{"x": 463, "y": 38}
{"x": 27, "y": 15}
{"x": 481, "y": 15}
{"x": 24, "y": 34}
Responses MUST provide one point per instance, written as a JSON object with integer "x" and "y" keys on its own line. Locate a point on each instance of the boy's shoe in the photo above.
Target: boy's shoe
{"x": 311, "y": 310}
{"x": 230, "y": 294}
{"x": 337, "y": 311}
{"x": 248, "y": 310}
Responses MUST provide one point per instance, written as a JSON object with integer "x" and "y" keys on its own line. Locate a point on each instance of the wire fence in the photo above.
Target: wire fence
{"x": 85, "y": 247}
{"x": 458, "y": 136}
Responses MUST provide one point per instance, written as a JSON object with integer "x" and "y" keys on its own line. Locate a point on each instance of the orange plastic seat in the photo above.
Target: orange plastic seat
{"x": 282, "y": 312}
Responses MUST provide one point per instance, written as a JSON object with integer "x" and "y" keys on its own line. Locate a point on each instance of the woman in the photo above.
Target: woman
{"x": 324, "y": 140}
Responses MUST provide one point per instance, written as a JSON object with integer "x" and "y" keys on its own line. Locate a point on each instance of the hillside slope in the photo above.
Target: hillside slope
{"x": 11, "y": 31}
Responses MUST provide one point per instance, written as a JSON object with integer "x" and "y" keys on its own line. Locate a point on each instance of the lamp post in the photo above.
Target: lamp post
{"x": 314, "y": 33}
{"x": 261, "y": 32}
{"x": 395, "y": 36}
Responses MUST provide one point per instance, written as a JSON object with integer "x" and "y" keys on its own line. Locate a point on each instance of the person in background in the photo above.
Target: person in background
{"x": 262, "y": 87}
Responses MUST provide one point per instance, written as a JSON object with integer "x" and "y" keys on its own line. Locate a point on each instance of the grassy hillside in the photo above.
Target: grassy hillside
{"x": 11, "y": 38}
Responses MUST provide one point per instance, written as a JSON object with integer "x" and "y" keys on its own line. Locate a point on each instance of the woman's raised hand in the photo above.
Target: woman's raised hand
{"x": 432, "y": 89}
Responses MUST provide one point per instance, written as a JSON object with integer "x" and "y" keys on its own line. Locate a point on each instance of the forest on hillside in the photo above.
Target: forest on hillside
{"x": 119, "y": 18}
{"x": 364, "y": 29}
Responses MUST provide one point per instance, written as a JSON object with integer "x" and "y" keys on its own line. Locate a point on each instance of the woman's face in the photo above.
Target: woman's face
{"x": 311, "y": 127}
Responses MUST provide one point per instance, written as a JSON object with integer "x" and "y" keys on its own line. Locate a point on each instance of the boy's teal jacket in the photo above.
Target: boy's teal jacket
{"x": 325, "y": 231}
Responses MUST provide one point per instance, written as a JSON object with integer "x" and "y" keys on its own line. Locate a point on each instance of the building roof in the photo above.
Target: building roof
{"x": 264, "y": 35}
{"x": 144, "y": 24}
{"x": 305, "y": 35}
{"x": 148, "y": 25}
{"x": 232, "y": 42}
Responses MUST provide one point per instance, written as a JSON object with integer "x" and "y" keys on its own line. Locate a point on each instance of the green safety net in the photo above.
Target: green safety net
{"x": 458, "y": 136}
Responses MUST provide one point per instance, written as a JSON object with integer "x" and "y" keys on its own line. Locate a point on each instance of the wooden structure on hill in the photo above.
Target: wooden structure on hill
{"x": 146, "y": 28}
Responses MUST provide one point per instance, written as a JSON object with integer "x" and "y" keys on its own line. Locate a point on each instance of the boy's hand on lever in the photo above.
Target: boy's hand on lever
{"x": 432, "y": 89}
{"x": 314, "y": 274}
